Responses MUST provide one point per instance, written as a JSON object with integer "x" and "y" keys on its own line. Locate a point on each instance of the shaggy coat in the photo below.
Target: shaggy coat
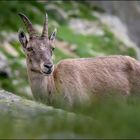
{"x": 75, "y": 80}
{"x": 79, "y": 80}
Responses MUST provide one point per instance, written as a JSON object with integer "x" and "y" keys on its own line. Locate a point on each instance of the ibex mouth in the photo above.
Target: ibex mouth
{"x": 47, "y": 73}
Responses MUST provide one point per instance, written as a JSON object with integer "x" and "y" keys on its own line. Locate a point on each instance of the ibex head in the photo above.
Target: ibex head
{"x": 38, "y": 49}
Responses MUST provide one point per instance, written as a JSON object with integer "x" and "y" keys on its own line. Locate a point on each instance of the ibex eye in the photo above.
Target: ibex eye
{"x": 53, "y": 48}
{"x": 29, "y": 49}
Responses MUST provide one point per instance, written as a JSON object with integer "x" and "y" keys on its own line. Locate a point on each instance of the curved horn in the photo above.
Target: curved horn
{"x": 45, "y": 28}
{"x": 28, "y": 24}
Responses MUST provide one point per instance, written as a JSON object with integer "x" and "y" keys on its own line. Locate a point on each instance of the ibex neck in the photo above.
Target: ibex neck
{"x": 42, "y": 86}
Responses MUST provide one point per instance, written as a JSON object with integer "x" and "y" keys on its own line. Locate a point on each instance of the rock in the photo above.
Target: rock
{"x": 17, "y": 105}
{"x": 118, "y": 28}
{"x": 66, "y": 48}
{"x": 86, "y": 27}
{"x": 59, "y": 13}
{"x": 6, "y": 43}
{"x": 4, "y": 66}
{"x": 10, "y": 49}
{"x": 9, "y": 36}
{"x": 128, "y": 12}
{"x": 24, "y": 118}
{"x": 114, "y": 24}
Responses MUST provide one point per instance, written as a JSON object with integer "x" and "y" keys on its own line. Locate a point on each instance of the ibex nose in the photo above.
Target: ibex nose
{"x": 49, "y": 66}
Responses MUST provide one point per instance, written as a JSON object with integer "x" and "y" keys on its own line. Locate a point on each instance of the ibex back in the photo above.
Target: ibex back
{"x": 75, "y": 80}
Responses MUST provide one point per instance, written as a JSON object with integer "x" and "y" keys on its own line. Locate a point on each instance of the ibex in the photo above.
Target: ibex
{"x": 75, "y": 80}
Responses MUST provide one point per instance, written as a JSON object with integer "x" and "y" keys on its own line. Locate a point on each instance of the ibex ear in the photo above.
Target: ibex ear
{"x": 53, "y": 35}
{"x": 23, "y": 39}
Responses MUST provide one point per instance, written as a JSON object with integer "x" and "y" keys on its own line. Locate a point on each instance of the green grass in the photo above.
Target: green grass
{"x": 109, "y": 118}
{"x": 106, "y": 44}
{"x": 59, "y": 55}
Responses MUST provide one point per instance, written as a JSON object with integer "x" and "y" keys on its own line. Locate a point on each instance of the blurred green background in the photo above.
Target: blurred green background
{"x": 80, "y": 34}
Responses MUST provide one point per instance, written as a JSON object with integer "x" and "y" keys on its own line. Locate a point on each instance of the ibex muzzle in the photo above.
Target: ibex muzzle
{"x": 38, "y": 49}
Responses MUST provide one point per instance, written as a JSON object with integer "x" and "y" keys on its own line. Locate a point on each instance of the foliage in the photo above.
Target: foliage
{"x": 11, "y": 9}
{"x": 107, "y": 118}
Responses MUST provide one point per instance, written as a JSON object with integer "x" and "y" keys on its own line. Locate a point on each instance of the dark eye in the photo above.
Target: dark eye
{"x": 29, "y": 49}
{"x": 53, "y": 48}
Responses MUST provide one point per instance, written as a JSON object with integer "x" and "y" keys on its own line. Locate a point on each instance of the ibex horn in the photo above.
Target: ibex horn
{"x": 45, "y": 28}
{"x": 28, "y": 24}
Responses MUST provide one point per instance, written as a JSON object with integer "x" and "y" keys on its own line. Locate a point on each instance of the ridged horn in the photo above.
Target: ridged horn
{"x": 45, "y": 28}
{"x": 28, "y": 24}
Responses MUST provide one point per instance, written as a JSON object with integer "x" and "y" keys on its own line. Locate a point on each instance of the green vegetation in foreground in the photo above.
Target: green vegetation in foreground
{"x": 108, "y": 118}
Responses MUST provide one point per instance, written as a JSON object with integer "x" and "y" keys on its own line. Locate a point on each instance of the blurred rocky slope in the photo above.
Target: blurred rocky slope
{"x": 128, "y": 12}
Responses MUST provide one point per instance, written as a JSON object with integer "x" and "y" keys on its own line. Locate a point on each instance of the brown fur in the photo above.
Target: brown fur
{"x": 79, "y": 80}
{"x": 75, "y": 80}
